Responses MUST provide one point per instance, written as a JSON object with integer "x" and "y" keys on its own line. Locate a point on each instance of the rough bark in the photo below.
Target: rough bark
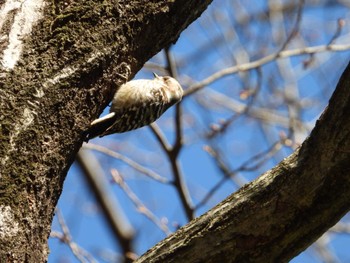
{"x": 281, "y": 213}
{"x": 70, "y": 63}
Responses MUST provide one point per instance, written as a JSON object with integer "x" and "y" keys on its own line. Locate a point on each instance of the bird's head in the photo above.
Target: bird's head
{"x": 172, "y": 88}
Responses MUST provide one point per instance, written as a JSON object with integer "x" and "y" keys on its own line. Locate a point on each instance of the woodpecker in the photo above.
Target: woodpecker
{"x": 137, "y": 103}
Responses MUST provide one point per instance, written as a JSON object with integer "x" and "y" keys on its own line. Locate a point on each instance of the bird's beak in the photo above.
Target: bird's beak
{"x": 155, "y": 75}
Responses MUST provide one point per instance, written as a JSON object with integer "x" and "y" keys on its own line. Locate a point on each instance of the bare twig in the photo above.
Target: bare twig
{"x": 118, "y": 222}
{"x": 138, "y": 167}
{"x": 211, "y": 192}
{"x": 322, "y": 248}
{"x": 117, "y": 178}
{"x": 172, "y": 151}
{"x": 225, "y": 170}
{"x": 160, "y": 137}
{"x": 65, "y": 237}
{"x": 261, "y": 113}
{"x": 278, "y": 26}
{"x": 251, "y": 164}
{"x": 256, "y": 161}
{"x": 178, "y": 182}
{"x": 340, "y": 26}
{"x": 295, "y": 28}
{"x": 265, "y": 60}
{"x": 224, "y": 125}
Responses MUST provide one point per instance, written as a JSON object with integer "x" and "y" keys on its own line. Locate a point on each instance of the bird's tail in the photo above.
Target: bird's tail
{"x": 99, "y": 126}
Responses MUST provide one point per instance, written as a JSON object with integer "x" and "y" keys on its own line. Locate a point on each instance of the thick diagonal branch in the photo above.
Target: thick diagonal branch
{"x": 281, "y": 213}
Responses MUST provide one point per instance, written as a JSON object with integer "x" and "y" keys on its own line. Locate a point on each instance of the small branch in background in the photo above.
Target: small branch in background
{"x": 65, "y": 237}
{"x": 341, "y": 227}
{"x": 211, "y": 192}
{"x": 119, "y": 224}
{"x": 323, "y": 249}
{"x": 172, "y": 151}
{"x": 296, "y": 27}
{"x": 171, "y": 67}
{"x": 160, "y": 137}
{"x": 263, "y": 114}
{"x": 262, "y": 61}
{"x": 178, "y": 182}
{"x": 138, "y": 167}
{"x": 225, "y": 170}
{"x": 256, "y": 161}
{"x": 155, "y": 67}
{"x": 337, "y": 33}
{"x": 251, "y": 164}
{"x": 252, "y": 94}
{"x": 227, "y": 174}
{"x": 178, "y": 129}
{"x": 118, "y": 179}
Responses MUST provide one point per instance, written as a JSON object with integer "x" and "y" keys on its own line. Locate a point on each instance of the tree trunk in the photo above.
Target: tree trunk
{"x": 61, "y": 63}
